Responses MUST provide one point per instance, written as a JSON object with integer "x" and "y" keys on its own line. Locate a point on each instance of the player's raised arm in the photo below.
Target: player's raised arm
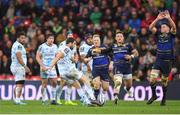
{"x": 171, "y": 22}
{"x": 152, "y": 27}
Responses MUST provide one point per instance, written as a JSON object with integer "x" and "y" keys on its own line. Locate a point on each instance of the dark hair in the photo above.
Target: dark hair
{"x": 20, "y": 34}
{"x": 49, "y": 35}
{"x": 70, "y": 40}
{"x": 119, "y": 32}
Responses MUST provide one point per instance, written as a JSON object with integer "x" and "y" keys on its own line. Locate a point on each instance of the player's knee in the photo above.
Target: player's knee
{"x": 96, "y": 84}
{"x": 118, "y": 81}
{"x": 153, "y": 77}
{"x": 105, "y": 87}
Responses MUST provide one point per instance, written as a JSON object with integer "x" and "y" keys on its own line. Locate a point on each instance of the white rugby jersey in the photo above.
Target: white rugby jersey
{"x": 66, "y": 62}
{"x": 18, "y": 47}
{"x": 83, "y": 50}
{"x": 48, "y": 53}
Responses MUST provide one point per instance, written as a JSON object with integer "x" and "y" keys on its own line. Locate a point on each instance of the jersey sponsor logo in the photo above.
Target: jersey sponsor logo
{"x": 19, "y": 47}
{"x": 66, "y": 50}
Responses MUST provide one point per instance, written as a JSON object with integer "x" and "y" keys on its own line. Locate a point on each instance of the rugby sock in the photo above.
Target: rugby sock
{"x": 96, "y": 93}
{"x": 43, "y": 92}
{"x": 53, "y": 92}
{"x": 82, "y": 95}
{"x": 68, "y": 94}
{"x": 164, "y": 92}
{"x": 89, "y": 91}
{"x": 153, "y": 88}
{"x": 18, "y": 90}
{"x": 58, "y": 92}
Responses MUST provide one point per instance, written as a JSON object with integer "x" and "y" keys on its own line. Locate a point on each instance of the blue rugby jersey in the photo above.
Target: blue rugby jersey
{"x": 165, "y": 46}
{"x": 99, "y": 60}
{"x": 119, "y": 53}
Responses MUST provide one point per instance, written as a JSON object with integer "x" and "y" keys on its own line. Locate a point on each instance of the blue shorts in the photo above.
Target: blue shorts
{"x": 102, "y": 72}
{"x": 164, "y": 66}
{"x": 125, "y": 69}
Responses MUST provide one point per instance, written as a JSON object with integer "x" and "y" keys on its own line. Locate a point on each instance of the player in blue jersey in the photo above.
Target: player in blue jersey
{"x": 165, "y": 36}
{"x": 121, "y": 54}
{"x": 99, "y": 67}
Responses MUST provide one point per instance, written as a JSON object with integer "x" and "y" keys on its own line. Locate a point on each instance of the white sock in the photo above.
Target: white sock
{"x": 43, "y": 92}
{"x": 89, "y": 91}
{"x": 68, "y": 93}
{"x": 53, "y": 92}
{"x": 18, "y": 90}
{"x": 82, "y": 95}
{"x": 58, "y": 92}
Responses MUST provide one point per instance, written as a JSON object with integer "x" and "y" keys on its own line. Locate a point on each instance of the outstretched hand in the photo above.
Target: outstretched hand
{"x": 167, "y": 15}
{"x": 161, "y": 15}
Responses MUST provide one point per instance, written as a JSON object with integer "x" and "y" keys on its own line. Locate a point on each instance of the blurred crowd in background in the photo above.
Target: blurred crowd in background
{"x": 40, "y": 17}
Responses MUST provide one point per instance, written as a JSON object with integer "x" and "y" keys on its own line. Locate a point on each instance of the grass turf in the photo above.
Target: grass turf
{"x": 123, "y": 107}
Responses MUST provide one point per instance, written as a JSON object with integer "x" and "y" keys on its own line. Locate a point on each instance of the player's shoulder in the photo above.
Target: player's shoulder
{"x": 55, "y": 46}
{"x": 17, "y": 45}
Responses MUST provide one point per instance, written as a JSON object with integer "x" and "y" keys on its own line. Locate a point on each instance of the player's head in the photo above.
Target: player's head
{"x": 21, "y": 37}
{"x": 88, "y": 38}
{"x": 69, "y": 34}
{"x": 165, "y": 28}
{"x": 119, "y": 37}
{"x": 96, "y": 40}
{"x": 70, "y": 42}
{"x": 50, "y": 39}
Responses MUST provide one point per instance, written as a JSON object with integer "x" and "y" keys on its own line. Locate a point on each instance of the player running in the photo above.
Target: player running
{"x": 165, "y": 55}
{"x": 100, "y": 68}
{"x": 60, "y": 63}
{"x": 121, "y": 54}
{"x": 18, "y": 66}
{"x": 44, "y": 56}
{"x": 70, "y": 74}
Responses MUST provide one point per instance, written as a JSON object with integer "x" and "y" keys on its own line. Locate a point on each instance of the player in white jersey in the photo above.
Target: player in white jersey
{"x": 83, "y": 50}
{"x": 45, "y": 54}
{"x": 68, "y": 91}
{"x": 70, "y": 74}
{"x": 18, "y": 65}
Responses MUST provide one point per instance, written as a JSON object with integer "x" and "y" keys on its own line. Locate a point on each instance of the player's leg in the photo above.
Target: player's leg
{"x": 117, "y": 86}
{"x": 84, "y": 99}
{"x": 128, "y": 83}
{"x": 153, "y": 77}
{"x": 18, "y": 91}
{"x": 19, "y": 74}
{"x": 53, "y": 82}
{"x": 80, "y": 77}
{"x": 96, "y": 83}
{"x": 68, "y": 93}
{"x": 166, "y": 68}
{"x": 105, "y": 87}
{"x": 105, "y": 83}
{"x": 44, "y": 82}
{"x": 60, "y": 85}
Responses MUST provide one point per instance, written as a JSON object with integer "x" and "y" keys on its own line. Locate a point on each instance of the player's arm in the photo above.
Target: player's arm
{"x": 20, "y": 60}
{"x": 88, "y": 57}
{"x": 172, "y": 24}
{"x": 59, "y": 55}
{"x": 134, "y": 53}
{"x": 39, "y": 60}
{"x": 152, "y": 27}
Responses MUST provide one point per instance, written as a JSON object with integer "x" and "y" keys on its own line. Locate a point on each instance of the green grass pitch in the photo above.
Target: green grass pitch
{"x": 123, "y": 107}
